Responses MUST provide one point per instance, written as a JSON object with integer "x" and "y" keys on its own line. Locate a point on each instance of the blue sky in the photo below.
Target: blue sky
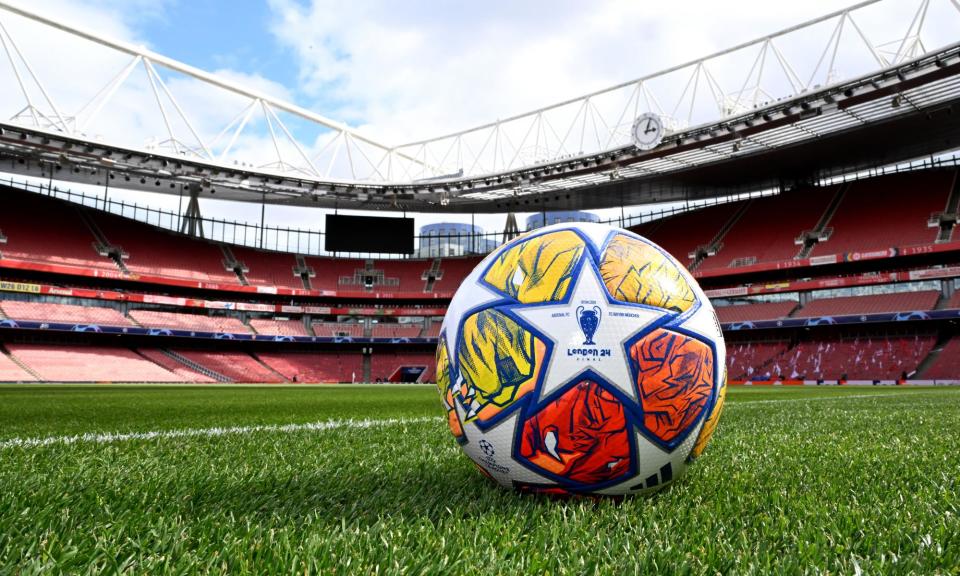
{"x": 213, "y": 34}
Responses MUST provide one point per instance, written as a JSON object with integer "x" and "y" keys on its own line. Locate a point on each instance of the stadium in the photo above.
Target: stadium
{"x": 185, "y": 391}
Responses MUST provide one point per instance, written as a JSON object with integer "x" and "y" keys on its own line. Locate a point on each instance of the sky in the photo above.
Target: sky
{"x": 403, "y": 70}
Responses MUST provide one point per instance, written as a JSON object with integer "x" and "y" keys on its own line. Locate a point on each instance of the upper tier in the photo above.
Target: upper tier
{"x": 878, "y": 215}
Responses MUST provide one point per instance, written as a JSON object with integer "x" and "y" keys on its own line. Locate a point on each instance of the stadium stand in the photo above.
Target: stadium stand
{"x": 59, "y": 237}
{"x": 332, "y": 329}
{"x": 453, "y": 271}
{"x": 268, "y": 268}
{"x": 10, "y": 371}
{"x": 409, "y": 274}
{"x": 873, "y": 304}
{"x": 386, "y": 366}
{"x": 279, "y": 327}
{"x": 316, "y": 366}
{"x": 65, "y": 363}
{"x": 193, "y": 322}
{"x": 755, "y": 312}
{"x": 874, "y": 215}
{"x": 170, "y": 364}
{"x": 65, "y": 313}
{"x": 237, "y": 366}
{"x": 759, "y": 230}
{"x": 156, "y": 252}
{"x": 329, "y": 272}
{"x": 946, "y": 366}
{"x": 861, "y": 358}
{"x": 751, "y": 360}
{"x": 768, "y": 229}
{"x": 396, "y": 330}
{"x": 680, "y": 235}
{"x": 954, "y": 302}
{"x": 433, "y": 331}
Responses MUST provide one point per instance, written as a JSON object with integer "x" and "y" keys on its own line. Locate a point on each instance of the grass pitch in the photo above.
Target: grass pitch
{"x": 796, "y": 480}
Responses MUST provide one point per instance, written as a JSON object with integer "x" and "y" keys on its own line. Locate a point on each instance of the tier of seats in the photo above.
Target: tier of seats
{"x": 874, "y": 304}
{"x": 396, "y": 331}
{"x": 316, "y": 366}
{"x": 871, "y": 215}
{"x": 192, "y": 322}
{"x": 329, "y": 271}
{"x": 946, "y": 366}
{"x": 858, "y": 359}
{"x": 173, "y": 365}
{"x": 10, "y": 371}
{"x": 433, "y": 331}
{"x": 954, "y": 302}
{"x": 767, "y": 230}
{"x": 749, "y": 360}
{"x": 680, "y": 235}
{"x": 63, "y": 363}
{"x": 63, "y": 313}
{"x": 268, "y": 268}
{"x": 47, "y": 231}
{"x": 237, "y": 366}
{"x": 453, "y": 271}
{"x": 386, "y": 366}
{"x": 755, "y": 312}
{"x": 156, "y": 252}
{"x": 279, "y": 327}
{"x": 334, "y": 329}
{"x": 890, "y": 211}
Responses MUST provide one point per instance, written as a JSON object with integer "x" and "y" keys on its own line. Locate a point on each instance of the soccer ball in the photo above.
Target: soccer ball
{"x": 581, "y": 359}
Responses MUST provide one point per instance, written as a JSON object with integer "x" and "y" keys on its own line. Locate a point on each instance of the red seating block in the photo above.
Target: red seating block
{"x": 237, "y": 366}
{"x": 751, "y": 360}
{"x": 874, "y": 304}
{"x": 156, "y": 252}
{"x": 316, "y": 366}
{"x": 864, "y": 358}
{"x": 279, "y": 327}
{"x": 755, "y": 312}
{"x": 682, "y": 234}
{"x": 268, "y": 268}
{"x": 767, "y": 230}
{"x": 63, "y": 313}
{"x": 63, "y": 363}
{"x": 47, "y": 231}
{"x": 192, "y": 322}
{"x": 180, "y": 369}
{"x": 10, "y": 371}
{"x": 947, "y": 364}
{"x": 888, "y": 211}
{"x": 396, "y": 331}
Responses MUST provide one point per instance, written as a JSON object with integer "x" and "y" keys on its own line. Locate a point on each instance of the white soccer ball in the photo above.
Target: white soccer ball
{"x": 581, "y": 359}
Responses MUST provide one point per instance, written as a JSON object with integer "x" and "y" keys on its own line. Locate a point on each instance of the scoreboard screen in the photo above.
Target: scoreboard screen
{"x": 369, "y": 234}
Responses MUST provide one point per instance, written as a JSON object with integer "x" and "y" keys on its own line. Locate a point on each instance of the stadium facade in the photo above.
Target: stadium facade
{"x": 821, "y": 221}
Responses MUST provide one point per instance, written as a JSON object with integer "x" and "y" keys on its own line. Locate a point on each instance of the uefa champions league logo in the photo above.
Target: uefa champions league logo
{"x": 589, "y": 322}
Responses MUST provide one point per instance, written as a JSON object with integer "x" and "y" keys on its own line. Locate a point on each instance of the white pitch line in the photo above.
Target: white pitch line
{"x": 107, "y": 438}
{"x": 818, "y": 398}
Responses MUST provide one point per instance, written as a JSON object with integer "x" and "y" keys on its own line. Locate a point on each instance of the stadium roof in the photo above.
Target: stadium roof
{"x": 903, "y": 103}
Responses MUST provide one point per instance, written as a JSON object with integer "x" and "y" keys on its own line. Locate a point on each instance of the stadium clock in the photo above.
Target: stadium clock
{"x": 647, "y": 131}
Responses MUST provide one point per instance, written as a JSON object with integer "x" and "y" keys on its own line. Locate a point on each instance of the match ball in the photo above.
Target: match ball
{"x": 581, "y": 359}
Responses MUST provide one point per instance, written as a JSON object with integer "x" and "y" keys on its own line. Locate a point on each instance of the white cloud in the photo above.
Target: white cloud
{"x": 417, "y": 69}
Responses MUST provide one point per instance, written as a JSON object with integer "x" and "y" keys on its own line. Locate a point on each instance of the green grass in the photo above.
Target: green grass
{"x": 797, "y": 480}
